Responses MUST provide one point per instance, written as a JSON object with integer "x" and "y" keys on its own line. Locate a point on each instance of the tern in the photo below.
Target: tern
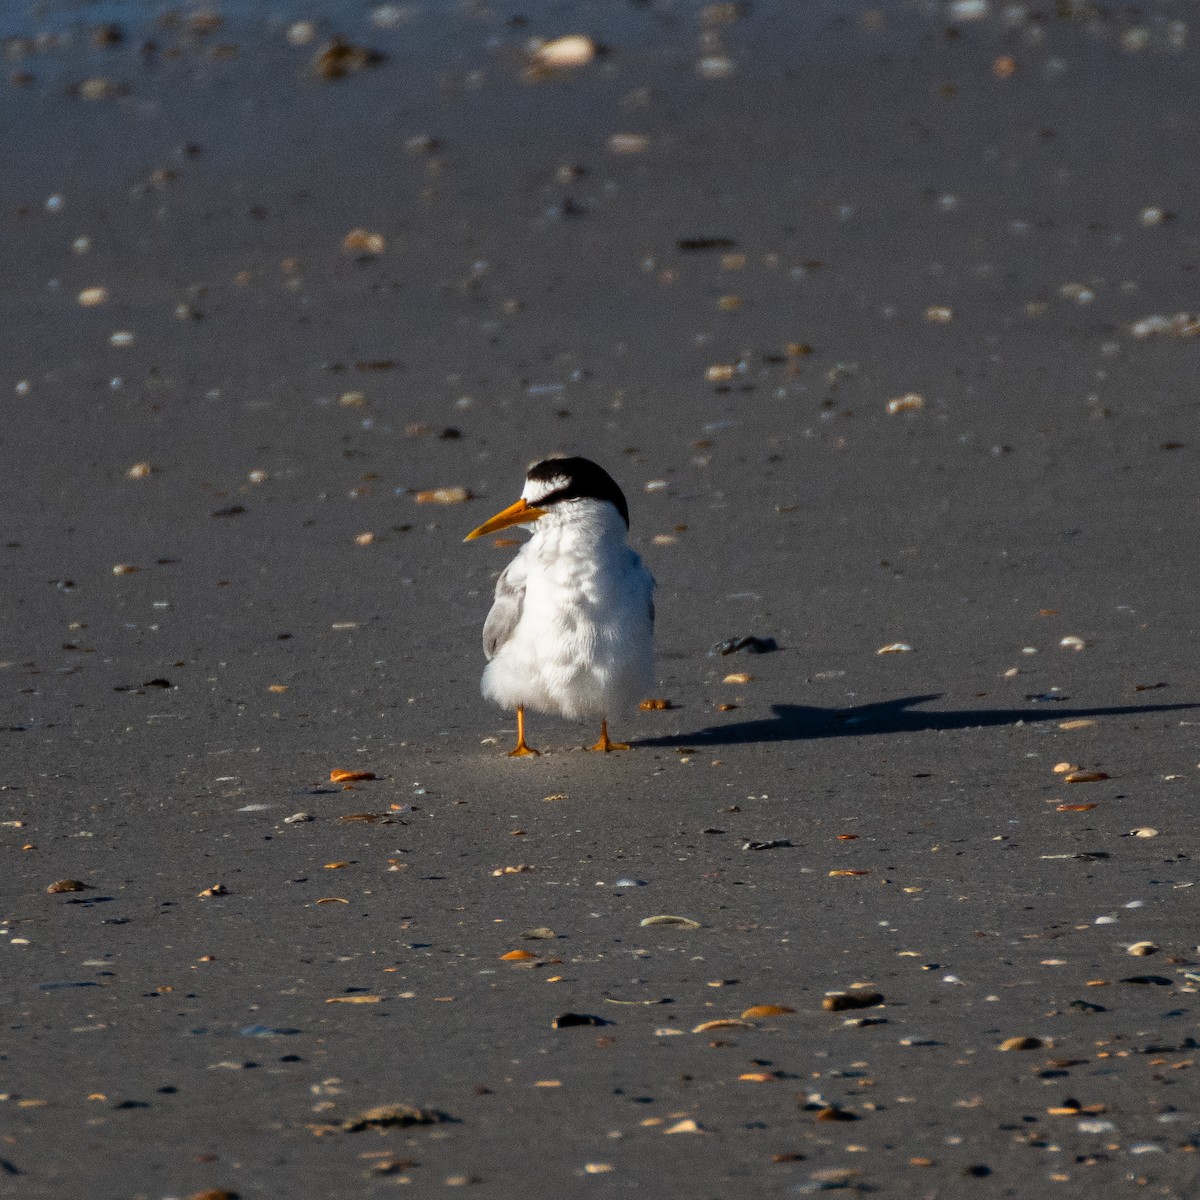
{"x": 571, "y": 630}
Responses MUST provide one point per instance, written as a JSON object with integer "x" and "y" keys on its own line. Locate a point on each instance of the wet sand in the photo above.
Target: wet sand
{"x": 805, "y": 216}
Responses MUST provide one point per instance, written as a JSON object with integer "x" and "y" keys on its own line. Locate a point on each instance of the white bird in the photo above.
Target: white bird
{"x": 571, "y": 630}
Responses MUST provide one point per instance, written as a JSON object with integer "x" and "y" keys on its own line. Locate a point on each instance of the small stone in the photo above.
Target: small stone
{"x": 338, "y": 59}
{"x": 841, "y": 1001}
{"x": 298, "y": 818}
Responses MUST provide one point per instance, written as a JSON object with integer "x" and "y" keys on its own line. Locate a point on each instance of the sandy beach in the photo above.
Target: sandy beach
{"x": 884, "y": 316}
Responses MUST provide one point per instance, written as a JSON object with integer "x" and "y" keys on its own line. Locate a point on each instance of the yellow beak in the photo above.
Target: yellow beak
{"x": 515, "y": 514}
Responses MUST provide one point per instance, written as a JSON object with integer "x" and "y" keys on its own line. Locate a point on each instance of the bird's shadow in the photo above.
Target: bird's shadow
{"x": 802, "y": 722}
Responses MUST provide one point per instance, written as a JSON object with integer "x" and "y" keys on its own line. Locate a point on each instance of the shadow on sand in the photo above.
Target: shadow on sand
{"x": 800, "y": 722}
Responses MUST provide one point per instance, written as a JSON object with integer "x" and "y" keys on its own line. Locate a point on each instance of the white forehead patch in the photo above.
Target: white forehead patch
{"x": 539, "y": 489}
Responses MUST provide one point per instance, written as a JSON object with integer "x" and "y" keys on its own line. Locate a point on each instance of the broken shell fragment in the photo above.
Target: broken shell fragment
{"x": 1071, "y": 642}
{"x": 1085, "y": 777}
{"x": 894, "y": 648}
{"x": 92, "y": 296}
{"x": 909, "y": 402}
{"x": 66, "y": 885}
{"x": 668, "y": 919}
{"x": 655, "y": 705}
{"x": 738, "y": 677}
{"x": 139, "y": 470}
{"x": 767, "y": 1010}
{"x": 337, "y": 776}
{"x": 217, "y": 889}
{"x": 518, "y": 956}
{"x": 1141, "y": 949}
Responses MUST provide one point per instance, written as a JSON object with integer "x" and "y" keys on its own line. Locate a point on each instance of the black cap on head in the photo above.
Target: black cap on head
{"x": 576, "y": 479}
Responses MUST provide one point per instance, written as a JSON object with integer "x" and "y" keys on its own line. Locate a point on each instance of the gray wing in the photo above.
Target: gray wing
{"x": 506, "y": 610}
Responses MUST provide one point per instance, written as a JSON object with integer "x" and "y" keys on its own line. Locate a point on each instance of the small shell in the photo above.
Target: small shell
{"x": 738, "y": 677}
{"x": 910, "y": 402}
{"x": 444, "y": 495}
{"x": 685, "y": 1126}
{"x": 1085, "y": 777}
{"x": 668, "y": 919}
{"x": 562, "y": 53}
{"x": 139, "y": 470}
{"x": 1071, "y": 642}
{"x": 1141, "y": 949}
{"x": 518, "y": 956}
{"x": 722, "y": 1023}
{"x": 362, "y": 241}
{"x": 767, "y": 1010}
{"x": 337, "y": 776}
{"x": 92, "y": 296}
{"x": 1021, "y": 1043}
{"x": 894, "y": 648}
{"x": 628, "y": 143}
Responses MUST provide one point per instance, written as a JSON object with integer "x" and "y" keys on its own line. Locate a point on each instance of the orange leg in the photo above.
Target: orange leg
{"x": 604, "y": 745}
{"x": 522, "y": 750}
